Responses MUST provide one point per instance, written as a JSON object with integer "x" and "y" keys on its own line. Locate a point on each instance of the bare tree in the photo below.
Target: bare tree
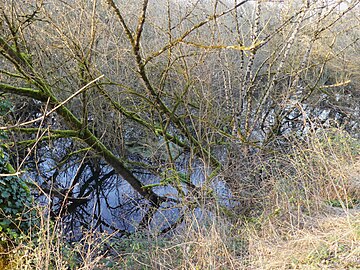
{"x": 176, "y": 83}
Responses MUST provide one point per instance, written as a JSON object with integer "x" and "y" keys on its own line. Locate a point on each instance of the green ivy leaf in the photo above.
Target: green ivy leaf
{"x": 5, "y": 107}
{"x": 5, "y": 194}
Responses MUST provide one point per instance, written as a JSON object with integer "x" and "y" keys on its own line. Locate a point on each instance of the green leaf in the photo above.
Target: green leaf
{"x": 5, "y": 194}
{"x": 5, "y": 107}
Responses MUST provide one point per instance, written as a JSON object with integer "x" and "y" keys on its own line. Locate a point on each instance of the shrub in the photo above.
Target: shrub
{"x": 15, "y": 196}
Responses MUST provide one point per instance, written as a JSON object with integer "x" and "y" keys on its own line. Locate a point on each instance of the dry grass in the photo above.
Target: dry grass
{"x": 212, "y": 243}
{"x": 47, "y": 248}
{"x": 311, "y": 217}
{"x": 326, "y": 242}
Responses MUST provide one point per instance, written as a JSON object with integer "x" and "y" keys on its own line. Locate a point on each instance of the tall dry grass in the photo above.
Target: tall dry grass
{"x": 316, "y": 171}
{"x": 47, "y": 247}
{"x": 311, "y": 213}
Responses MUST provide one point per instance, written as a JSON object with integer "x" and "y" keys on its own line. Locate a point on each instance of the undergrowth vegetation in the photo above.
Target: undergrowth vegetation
{"x": 307, "y": 217}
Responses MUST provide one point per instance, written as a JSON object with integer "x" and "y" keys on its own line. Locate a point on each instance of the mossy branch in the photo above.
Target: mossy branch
{"x": 85, "y": 135}
{"x": 23, "y": 91}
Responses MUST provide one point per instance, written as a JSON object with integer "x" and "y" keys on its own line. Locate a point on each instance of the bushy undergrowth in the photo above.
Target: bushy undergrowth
{"x": 315, "y": 171}
{"x": 307, "y": 217}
